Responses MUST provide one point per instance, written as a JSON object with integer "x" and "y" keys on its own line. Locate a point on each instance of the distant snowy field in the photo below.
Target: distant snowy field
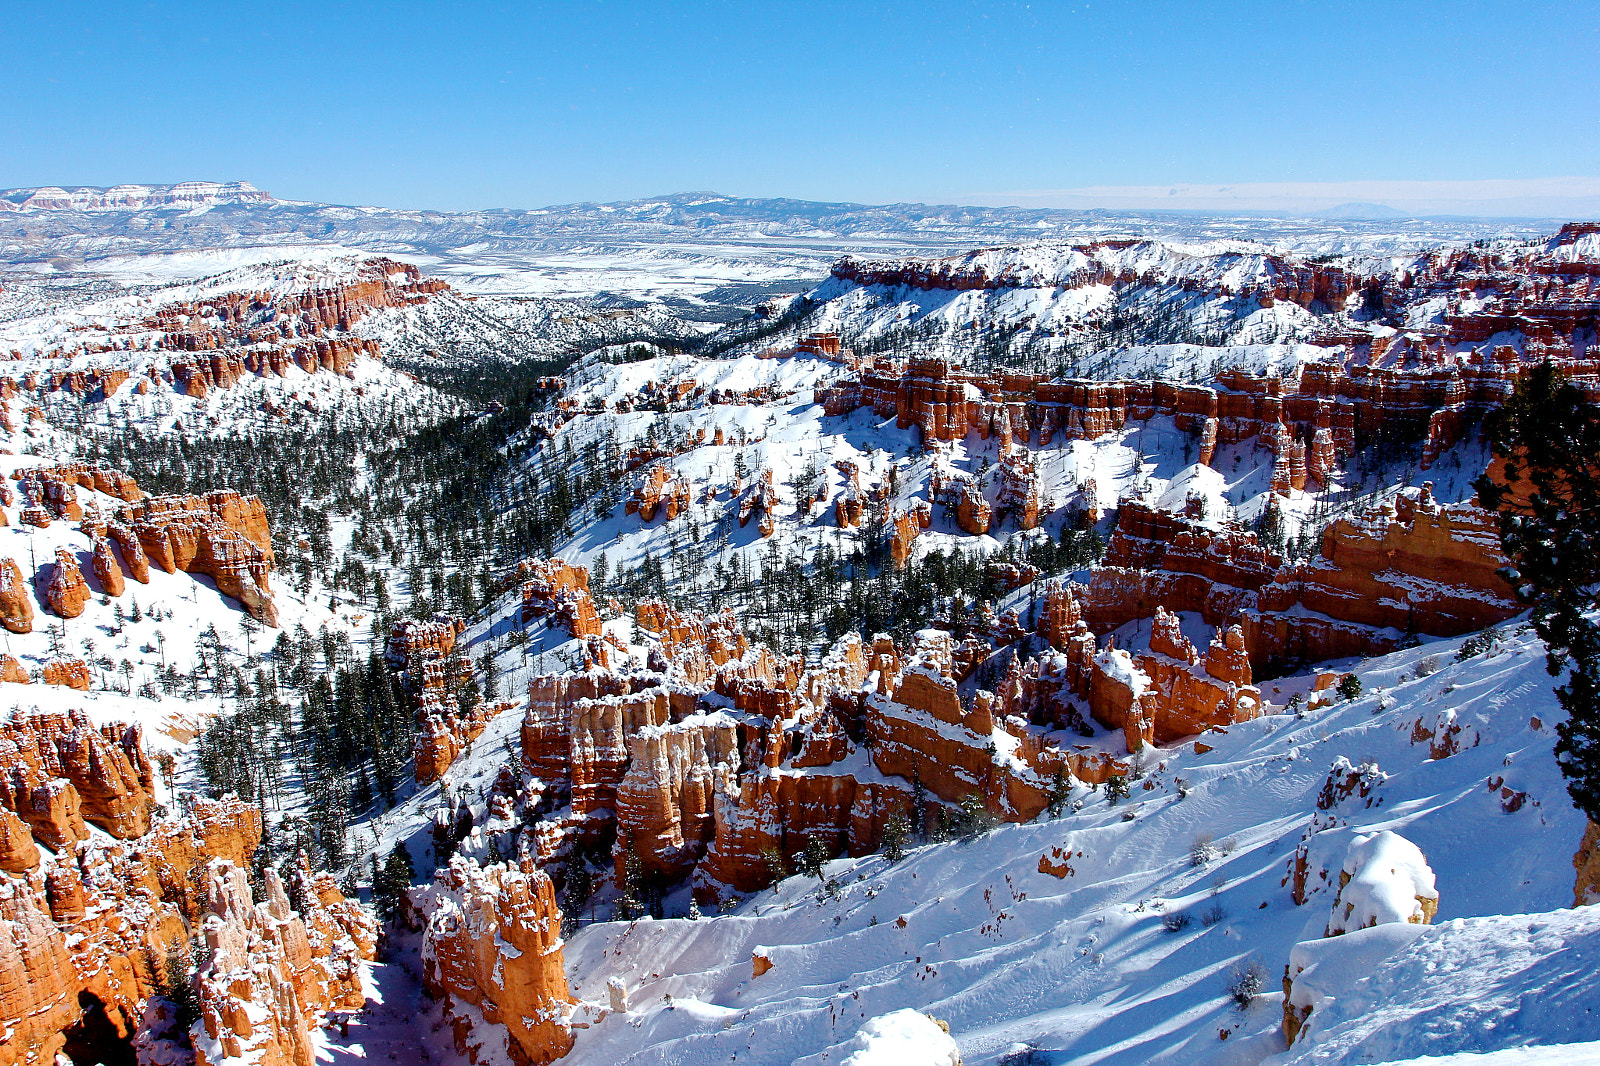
{"x": 684, "y": 245}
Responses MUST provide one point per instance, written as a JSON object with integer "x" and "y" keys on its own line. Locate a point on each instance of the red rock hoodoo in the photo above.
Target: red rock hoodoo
{"x": 492, "y": 940}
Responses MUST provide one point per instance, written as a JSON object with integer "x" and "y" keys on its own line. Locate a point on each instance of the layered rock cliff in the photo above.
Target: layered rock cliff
{"x": 195, "y": 345}
{"x": 91, "y": 930}
{"x": 1409, "y": 566}
{"x": 269, "y": 971}
{"x": 222, "y": 534}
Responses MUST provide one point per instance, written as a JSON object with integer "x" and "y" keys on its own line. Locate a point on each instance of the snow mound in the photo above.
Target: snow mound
{"x": 1389, "y": 880}
{"x": 1555, "y": 1055}
{"x": 901, "y": 1038}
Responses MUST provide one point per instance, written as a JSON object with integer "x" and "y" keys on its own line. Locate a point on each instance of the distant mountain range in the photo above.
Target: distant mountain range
{"x": 752, "y": 239}
{"x": 686, "y": 262}
{"x": 184, "y": 194}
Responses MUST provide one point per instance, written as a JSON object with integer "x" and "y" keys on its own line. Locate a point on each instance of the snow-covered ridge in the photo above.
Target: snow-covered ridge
{"x": 1227, "y": 266}
{"x": 184, "y": 194}
{"x": 51, "y": 320}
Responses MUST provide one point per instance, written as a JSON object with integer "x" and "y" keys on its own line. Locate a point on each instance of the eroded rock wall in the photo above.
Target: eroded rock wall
{"x": 101, "y": 922}
{"x": 492, "y": 939}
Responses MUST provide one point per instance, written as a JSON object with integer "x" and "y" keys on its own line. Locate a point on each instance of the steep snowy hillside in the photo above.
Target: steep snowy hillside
{"x": 1039, "y": 298}
{"x": 156, "y": 647}
{"x": 1122, "y": 931}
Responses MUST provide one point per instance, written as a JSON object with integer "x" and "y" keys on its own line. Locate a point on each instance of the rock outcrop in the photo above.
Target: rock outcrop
{"x": 87, "y": 935}
{"x": 1586, "y": 889}
{"x": 659, "y": 492}
{"x": 492, "y": 940}
{"x": 666, "y": 799}
{"x": 54, "y": 484}
{"x": 1384, "y": 880}
{"x": 59, "y": 771}
{"x": 18, "y": 853}
{"x": 1308, "y": 421}
{"x": 214, "y": 342}
{"x": 1170, "y": 691}
{"x": 1412, "y": 566}
{"x": 132, "y": 551}
{"x": 16, "y": 607}
{"x": 269, "y": 971}
{"x": 11, "y": 669}
{"x": 443, "y": 736}
{"x": 65, "y": 590}
{"x": 223, "y": 535}
{"x": 714, "y": 752}
{"x": 552, "y": 589}
{"x": 68, "y": 673}
{"x": 106, "y": 570}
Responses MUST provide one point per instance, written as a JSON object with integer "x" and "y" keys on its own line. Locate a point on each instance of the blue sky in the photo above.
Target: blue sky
{"x": 464, "y": 105}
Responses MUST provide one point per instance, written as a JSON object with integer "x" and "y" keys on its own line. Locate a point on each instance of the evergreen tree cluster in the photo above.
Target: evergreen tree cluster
{"x": 1548, "y": 496}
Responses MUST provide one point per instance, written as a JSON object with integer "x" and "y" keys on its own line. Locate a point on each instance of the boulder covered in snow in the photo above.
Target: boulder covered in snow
{"x": 1385, "y": 879}
{"x": 1386, "y": 893}
{"x": 901, "y": 1038}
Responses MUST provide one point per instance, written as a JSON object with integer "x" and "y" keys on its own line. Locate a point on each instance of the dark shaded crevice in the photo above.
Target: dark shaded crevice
{"x": 95, "y": 1039}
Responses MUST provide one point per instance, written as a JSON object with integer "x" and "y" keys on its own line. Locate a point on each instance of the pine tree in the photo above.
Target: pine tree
{"x": 1060, "y": 793}
{"x": 491, "y": 674}
{"x": 814, "y": 857}
{"x": 629, "y": 905}
{"x": 895, "y": 832}
{"x": 1548, "y": 497}
{"x": 389, "y": 890}
{"x": 575, "y": 895}
{"x": 919, "y": 807}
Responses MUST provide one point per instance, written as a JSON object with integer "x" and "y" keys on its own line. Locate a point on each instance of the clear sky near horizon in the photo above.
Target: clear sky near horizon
{"x": 468, "y": 105}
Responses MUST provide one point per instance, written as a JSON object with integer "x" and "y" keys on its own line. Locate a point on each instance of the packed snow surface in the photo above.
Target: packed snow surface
{"x": 1466, "y": 985}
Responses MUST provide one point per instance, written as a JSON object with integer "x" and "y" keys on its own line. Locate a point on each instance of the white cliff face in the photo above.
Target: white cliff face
{"x": 184, "y": 194}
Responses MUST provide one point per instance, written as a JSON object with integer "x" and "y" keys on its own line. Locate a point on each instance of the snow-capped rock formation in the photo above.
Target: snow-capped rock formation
{"x": 196, "y": 337}
{"x": 270, "y": 971}
{"x": 94, "y": 926}
{"x": 90, "y": 931}
{"x": 223, "y": 535}
{"x": 492, "y": 950}
{"x": 1039, "y": 299}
